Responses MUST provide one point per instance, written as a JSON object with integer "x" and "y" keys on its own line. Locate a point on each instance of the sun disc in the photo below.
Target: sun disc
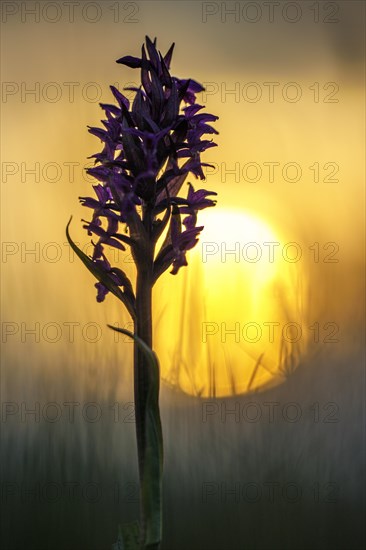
{"x": 221, "y": 320}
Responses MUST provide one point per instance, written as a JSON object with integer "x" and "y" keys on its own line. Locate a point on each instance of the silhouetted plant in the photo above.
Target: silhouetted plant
{"x": 149, "y": 150}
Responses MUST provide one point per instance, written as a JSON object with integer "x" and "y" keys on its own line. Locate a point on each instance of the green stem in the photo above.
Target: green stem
{"x": 143, "y": 385}
{"x": 143, "y": 329}
{"x": 146, "y": 393}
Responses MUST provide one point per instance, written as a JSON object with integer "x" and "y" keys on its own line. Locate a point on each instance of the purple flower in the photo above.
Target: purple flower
{"x": 181, "y": 243}
{"x": 150, "y": 146}
{"x": 197, "y": 200}
{"x": 117, "y": 276}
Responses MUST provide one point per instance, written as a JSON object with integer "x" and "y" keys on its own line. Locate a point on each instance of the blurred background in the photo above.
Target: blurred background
{"x": 262, "y": 353}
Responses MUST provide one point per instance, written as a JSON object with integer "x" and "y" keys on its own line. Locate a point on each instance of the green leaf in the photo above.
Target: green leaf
{"x": 151, "y": 489}
{"x": 118, "y": 545}
{"x": 130, "y": 534}
{"x": 103, "y": 277}
{"x": 128, "y": 537}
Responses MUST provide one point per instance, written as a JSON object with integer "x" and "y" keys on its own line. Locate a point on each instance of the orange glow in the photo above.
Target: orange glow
{"x": 234, "y": 326}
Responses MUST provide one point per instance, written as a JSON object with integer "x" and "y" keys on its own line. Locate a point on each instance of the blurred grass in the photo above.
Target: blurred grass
{"x": 196, "y": 452}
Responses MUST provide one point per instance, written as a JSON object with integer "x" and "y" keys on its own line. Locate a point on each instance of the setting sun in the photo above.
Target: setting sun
{"x": 168, "y": 386}
{"x": 239, "y": 324}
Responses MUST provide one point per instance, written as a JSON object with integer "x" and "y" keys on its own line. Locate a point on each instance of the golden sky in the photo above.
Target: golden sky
{"x": 288, "y": 89}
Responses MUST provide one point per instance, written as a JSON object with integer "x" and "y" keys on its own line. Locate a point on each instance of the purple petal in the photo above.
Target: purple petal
{"x": 102, "y": 292}
{"x": 122, "y": 100}
{"x": 168, "y": 56}
{"x": 130, "y": 61}
{"x": 99, "y": 132}
{"x": 191, "y": 110}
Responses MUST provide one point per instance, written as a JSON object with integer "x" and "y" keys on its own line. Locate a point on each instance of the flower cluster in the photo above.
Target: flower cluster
{"x": 149, "y": 148}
